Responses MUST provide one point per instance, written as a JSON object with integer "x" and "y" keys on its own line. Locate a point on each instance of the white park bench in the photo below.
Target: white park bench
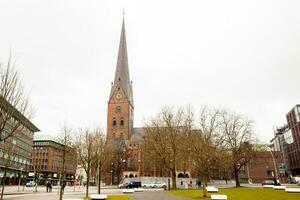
{"x": 128, "y": 191}
{"x": 138, "y": 189}
{"x": 99, "y": 196}
{"x": 72, "y": 199}
{"x": 218, "y": 197}
{"x": 292, "y": 190}
{"x": 268, "y": 186}
{"x": 279, "y": 187}
{"x": 211, "y": 189}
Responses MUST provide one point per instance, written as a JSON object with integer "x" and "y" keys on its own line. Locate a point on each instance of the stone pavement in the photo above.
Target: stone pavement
{"x": 146, "y": 195}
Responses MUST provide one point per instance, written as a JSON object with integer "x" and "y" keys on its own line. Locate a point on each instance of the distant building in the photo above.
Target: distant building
{"x": 287, "y": 140}
{"x": 15, "y": 151}
{"x": 293, "y": 139}
{"x": 280, "y": 143}
{"x": 80, "y": 175}
{"x": 263, "y": 166}
{"x": 47, "y": 160}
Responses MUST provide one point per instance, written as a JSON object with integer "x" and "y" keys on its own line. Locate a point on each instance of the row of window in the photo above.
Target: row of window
{"x": 115, "y": 122}
{"x": 17, "y": 124}
{"x": 15, "y": 158}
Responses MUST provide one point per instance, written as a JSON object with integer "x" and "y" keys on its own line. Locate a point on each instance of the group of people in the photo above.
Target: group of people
{"x": 49, "y": 186}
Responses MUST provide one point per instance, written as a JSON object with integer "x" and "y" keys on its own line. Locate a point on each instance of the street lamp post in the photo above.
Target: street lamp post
{"x": 111, "y": 171}
{"x": 35, "y": 178}
{"x": 274, "y": 162}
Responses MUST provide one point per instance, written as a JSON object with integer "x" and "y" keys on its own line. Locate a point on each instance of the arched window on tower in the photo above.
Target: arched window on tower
{"x": 122, "y": 122}
{"x": 114, "y": 122}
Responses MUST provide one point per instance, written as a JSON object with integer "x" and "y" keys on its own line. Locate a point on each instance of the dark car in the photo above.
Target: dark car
{"x": 134, "y": 184}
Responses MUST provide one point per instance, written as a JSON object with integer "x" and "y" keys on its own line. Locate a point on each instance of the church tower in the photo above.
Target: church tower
{"x": 120, "y": 103}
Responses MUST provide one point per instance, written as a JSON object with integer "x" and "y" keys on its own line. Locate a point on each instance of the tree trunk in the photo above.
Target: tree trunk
{"x": 99, "y": 178}
{"x": 61, "y": 186}
{"x": 236, "y": 176}
{"x": 61, "y": 191}
{"x": 87, "y": 183}
{"x": 173, "y": 173}
{"x": 204, "y": 187}
{"x": 3, "y": 184}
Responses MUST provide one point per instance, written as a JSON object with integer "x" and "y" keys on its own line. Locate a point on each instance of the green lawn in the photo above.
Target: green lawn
{"x": 241, "y": 194}
{"x": 119, "y": 197}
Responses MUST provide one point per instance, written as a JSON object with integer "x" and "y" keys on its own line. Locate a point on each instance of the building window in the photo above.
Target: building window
{"x": 122, "y": 122}
{"x": 114, "y": 122}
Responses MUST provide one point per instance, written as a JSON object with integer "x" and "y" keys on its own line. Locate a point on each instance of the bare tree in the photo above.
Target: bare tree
{"x": 237, "y": 135}
{"x": 118, "y": 158}
{"x": 13, "y": 102}
{"x": 204, "y": 144}
{"x": 67, "y": 148}
{"x": 163, "y": 138}
{"x": 101, "y": 153}
{"x": 84, "y": 145}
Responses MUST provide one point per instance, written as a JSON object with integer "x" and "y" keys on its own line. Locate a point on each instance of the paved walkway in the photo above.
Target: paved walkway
{"x": 146, "y": 195}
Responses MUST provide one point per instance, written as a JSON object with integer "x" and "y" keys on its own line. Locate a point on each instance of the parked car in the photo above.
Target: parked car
{"x": 269, "y": 182}
{"x": 123, "y": 185}
{"x": 160, "y": 185}
{"x": 148, "y": 185}
{"x": 295, "y": 179}
{"x": 134, "y": 184}
{"x": 30, "y": 184}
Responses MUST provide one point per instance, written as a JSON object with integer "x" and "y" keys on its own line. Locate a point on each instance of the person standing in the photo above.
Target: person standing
{"x": 48, "y": 186}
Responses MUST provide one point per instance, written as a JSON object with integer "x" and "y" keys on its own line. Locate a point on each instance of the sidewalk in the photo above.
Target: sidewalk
{"x": 13, "y": 190}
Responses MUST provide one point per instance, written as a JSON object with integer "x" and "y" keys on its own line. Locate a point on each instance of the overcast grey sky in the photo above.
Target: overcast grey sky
{"x": 239, "y": 55}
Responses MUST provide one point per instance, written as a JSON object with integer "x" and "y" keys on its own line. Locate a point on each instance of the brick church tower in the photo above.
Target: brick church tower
{"x": 120, "y": 103}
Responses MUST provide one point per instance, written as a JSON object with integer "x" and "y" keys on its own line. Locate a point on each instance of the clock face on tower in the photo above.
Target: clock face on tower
{"x": 118, "y": 109}
{"x": 118, "y": 96}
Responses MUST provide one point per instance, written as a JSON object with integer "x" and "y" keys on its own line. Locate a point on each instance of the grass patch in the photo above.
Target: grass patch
{"x": 119, "y": 197}
{"x": 240, "y": 193}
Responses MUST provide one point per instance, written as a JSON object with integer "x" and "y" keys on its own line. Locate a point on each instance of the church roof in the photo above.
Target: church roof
{"x": 122, "y": 78}
{"x": 138, "y": 133}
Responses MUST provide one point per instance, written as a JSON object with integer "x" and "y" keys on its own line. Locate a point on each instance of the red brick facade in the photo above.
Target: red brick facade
{"x": 263, "y": 167}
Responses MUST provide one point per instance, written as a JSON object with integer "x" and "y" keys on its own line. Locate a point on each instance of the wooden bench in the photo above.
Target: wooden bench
{"x": 128, "y": 191}
{"x": 292, "y": 190}
{"x": 138, "y": 189}
{"x": 211, "y": 189}
{"x": 218, "y": 197}
{"x": 279, "y": 187}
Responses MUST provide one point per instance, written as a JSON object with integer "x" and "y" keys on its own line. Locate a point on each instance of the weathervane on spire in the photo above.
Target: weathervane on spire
{"x": 123, "y": 12}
